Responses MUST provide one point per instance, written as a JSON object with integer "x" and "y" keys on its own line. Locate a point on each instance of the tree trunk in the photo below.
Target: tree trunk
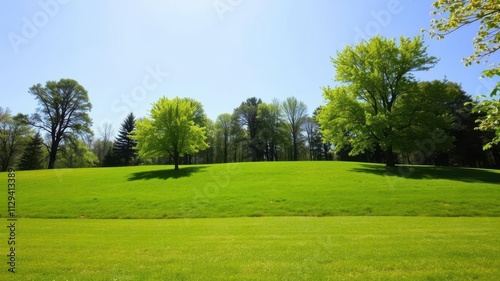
{"x": 176, "y": 161}
{"x": 389, "y": 157}
{"x": 52, "y": 155}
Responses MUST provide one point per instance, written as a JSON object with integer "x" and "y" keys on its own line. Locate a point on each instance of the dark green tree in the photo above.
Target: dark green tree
{"x": 246, "y": 114}
{"x": 124, "y": 152}
{"x": 64, "y": 107}
{"x": 32, "y": 157}
{"x": 13, "y": 136}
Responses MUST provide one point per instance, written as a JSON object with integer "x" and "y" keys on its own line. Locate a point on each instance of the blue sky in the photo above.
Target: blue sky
{"x": 129, "y": 53}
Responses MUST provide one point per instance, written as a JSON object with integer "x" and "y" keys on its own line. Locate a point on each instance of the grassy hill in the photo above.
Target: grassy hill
{"x": 260, "y": 221}
{"x": 257, "y": 189}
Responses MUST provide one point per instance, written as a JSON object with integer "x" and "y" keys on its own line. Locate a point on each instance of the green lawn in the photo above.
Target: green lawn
{"x": 257, "y": 189}
{"x": 256, "y": 221}
{"x": 277, "y": 248}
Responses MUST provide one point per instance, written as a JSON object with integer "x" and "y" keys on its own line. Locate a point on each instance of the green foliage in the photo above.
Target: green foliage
{"x": 490, "y": 110}
{"x": 380, "y": 102}
{"x": 276, "y": 248}
{"x": 14, "y": 132}
{"x": 458, "y": 13}
{"x": 64, "y": 107}
{"x": 124, "y": 149}
{"x": 246, "y": 116}
{"x": 33, "y": 157}
{"x": 273, "y": 131}
{"x": 74, "y": 153}
{"x": 223, "y": 134}
{"x": 174, "y": 129}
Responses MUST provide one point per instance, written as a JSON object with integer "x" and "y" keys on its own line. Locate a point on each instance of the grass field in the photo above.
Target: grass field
{"x": 285, "y": 248}
{"x": 257, "y": 189}
{"x": 257, "y": 221}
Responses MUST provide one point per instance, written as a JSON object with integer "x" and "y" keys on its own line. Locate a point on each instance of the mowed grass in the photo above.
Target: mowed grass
{"x": 257, "y": 221}
{"x": 256, "y": 190}
{"x": 272, "y": 248}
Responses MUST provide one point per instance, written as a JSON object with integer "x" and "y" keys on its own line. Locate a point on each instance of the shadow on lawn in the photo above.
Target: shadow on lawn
{"x": 430, "y": 172}
{"x": 165, "y": 174}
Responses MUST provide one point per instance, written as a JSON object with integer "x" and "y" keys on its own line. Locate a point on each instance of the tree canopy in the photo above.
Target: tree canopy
{"x": 380, "y": 101}
{"x": 456, "y": 14}
{"x": 171, "y": 129}
{"x": 64, "y": 107}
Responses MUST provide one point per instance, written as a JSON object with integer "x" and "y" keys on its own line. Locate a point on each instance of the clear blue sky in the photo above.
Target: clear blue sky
{"x": 129, "y": 53}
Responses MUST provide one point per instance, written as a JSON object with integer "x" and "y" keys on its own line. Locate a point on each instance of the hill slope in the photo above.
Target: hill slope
{"x": 256, "y": 189}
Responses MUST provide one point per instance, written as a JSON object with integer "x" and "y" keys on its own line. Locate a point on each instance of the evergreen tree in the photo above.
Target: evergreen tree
{"x": 124, "y": 153}
{"x": 32, "y": 158}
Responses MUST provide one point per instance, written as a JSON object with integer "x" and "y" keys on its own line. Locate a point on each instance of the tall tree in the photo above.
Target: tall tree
{"x": 32, "y": 157}
{"x": 380, "y": 102}
{"x": 13, "y": 136}
{"x": 64, "y": 107}
{"x": 295, "y": 114}
{"x": 171, "y": 129}
{"x": 124, "y": 151}
{"x": 246, "y": 114}
{"x": 456, "y": 14}
{"x": 272, "y": 123}
{"x": 223, "y": 129}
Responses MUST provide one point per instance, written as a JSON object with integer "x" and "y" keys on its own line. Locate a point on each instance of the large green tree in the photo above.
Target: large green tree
{"x": 379, "y": 102}
{"x": 64, "y": 107}
{"x": 455, "y": 14}
{"x": 173, "y": 128}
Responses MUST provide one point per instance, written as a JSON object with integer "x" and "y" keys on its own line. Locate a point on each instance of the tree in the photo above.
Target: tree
{"x": 171, "y": 129}
{"x": 13, "y": 135}
{"x": 272, "y": 124}
{"x": 76, "y": 154}
{"x": 246, "y": 114}
{"x": 223, "y": 129}
{"x": 102, "y": 146}
{"x": 64, "y": 107}
{"x": 460, "y": 13}
{"x": 124, "y": 152}
{"x": 32, "y": 157}
{"x": 295, "y": 115}
{"x": 380, "y": 102}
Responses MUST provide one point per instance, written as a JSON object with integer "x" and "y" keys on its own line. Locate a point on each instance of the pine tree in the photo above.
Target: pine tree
{"x": 32, "y": 158}
{"x": 124, "y": 153}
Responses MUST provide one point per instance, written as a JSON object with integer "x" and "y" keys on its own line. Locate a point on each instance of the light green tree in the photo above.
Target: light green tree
{"x": 455, "y": 14}
{"x": 380, "y": 101}
{"x": 174, "y": 128}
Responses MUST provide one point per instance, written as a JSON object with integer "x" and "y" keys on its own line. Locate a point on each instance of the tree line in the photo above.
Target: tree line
{"x": 431, "y": 124}
{"x": 379, "y": 113}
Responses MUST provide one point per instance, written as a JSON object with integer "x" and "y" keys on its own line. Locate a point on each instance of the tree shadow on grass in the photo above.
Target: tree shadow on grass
{"x": 165, "y": 174}
{"x": 431, "y": 172}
